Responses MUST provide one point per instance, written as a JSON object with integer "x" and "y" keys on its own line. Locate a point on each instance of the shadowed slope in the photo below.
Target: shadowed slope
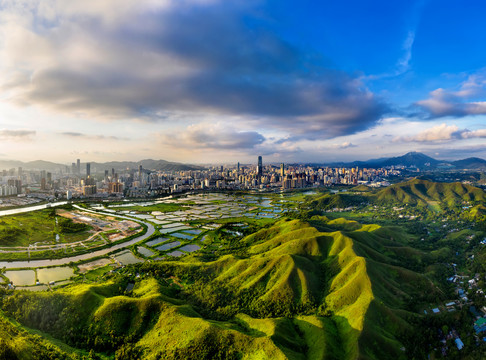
{"x": 318, "y": 290}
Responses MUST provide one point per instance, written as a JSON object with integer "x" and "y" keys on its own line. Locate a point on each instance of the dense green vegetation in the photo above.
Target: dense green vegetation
{"x": 295, "y": 290}
{"x": 39, "y": 227}
{"x": 67, "y": 226}
{"x": 347, "y": 275}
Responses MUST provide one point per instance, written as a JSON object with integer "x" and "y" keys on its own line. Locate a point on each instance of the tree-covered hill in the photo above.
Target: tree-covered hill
{"x": 317, "y": 289}
{"x": 422, "y": 192}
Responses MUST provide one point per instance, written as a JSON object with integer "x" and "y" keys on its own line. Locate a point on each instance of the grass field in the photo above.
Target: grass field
{"x": 35, "y": 227}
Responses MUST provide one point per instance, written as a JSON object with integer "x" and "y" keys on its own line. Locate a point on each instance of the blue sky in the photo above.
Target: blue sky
{"x": 224, "y": 81}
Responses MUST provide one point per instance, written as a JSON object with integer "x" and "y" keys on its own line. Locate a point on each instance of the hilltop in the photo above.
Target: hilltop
{"x": 415, "y": 192}
{"x": 317, "y": 289}
{"x": 423, "y": 192}
{"x": 417, "y": 160}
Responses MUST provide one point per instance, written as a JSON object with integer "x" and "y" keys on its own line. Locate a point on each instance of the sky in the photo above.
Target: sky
{"x": 220, "y": 81}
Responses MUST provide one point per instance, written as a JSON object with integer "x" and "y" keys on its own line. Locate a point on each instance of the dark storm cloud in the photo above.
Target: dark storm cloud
{"x": 205, "y": 59}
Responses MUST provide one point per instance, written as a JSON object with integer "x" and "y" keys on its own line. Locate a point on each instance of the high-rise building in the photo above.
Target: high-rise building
{"x": 260, "y": 167}
{"x": 20, "y": 171}
{"x": 238, "y": 168}
{"x": 78, "y": 166}
{"x": 88, "y": 169}
{"x": 282, "y": 170}
{"x": 140, "y": 175}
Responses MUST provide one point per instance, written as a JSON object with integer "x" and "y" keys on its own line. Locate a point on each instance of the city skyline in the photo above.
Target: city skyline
{"x": 293, "y": 82}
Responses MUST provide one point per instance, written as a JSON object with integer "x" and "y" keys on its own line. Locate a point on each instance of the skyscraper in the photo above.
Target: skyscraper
{"x": 78, "y": 165}
{"x": 88, "y": 169}
{"x": 282, "y": 170}
{"x": 238, "y": 168}
{"x": 140, "y": 175}
{"x": 260, "y": 167}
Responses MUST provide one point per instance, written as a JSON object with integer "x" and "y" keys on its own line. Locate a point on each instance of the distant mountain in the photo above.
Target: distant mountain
{"x": 147, "y": 164}
{"x": 470, "y": 163}
{"x": 418, "y": 160}
{"x": 31, "y": 165}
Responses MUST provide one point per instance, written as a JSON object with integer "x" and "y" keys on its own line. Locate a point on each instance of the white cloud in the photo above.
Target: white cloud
{"x": 344, "y": 145}
{"x": 460, "y": 103}
{"x": 441, "y": 133}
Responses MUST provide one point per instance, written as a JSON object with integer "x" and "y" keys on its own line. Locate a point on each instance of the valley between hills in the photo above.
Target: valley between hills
{"x": 352, "y": 274}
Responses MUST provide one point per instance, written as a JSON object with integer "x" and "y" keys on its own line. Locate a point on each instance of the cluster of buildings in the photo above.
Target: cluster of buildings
{"x": 77, "y": 181}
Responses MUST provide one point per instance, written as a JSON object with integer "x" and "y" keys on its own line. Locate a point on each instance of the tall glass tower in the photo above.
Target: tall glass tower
{"x": 260, "y": 167}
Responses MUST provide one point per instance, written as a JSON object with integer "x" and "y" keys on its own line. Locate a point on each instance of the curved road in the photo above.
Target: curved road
{"x": 67, "y": 260}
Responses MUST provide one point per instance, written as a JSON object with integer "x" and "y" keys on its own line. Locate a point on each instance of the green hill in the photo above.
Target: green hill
{"x": 339, "y": 200}
{"x": 423, "y": 192}
{"x": 324, "y": 289}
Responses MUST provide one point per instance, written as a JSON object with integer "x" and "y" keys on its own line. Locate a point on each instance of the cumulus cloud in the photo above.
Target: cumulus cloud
{"x": 465, "y": 101}
{"x": 344, "y": 145}
{"x": 17, "y": 135}
{"x": 142, "y": 60}
{"x": 443, "y": 132}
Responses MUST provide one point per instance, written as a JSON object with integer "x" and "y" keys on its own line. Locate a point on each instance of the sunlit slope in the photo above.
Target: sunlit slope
{"x": 298, "y": 290}
{"x": 17, "y": 342}
{"x": 422, "y": 192}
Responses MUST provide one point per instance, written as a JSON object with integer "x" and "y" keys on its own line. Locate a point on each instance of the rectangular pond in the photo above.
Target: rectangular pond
{"x": 175, "y": 253}
{"x": 21, "y": 277}
{"x": 168, "y": 246}
{"x": 93, "y": 265}
{"x": 144, "y": 251}
{"x": 156, "y": 241}
{"x": 183, "y": 236}
{"x": 190, "y": 248}
{"x": 194, "y": 232}
{"x": 166, "y": 231}
{"x": 45, "y": 276}
{"x": 127, "y": 258}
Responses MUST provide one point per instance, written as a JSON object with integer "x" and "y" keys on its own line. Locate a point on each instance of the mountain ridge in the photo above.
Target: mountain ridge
{"x": 418, "y": 160}
{"x": 149, "y": 164}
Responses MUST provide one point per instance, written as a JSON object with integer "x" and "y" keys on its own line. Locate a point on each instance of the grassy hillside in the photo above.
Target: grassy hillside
{"x": 18, "y": 342}
{"x": 423, "y": 192}
{"x": 324, "y": 289}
